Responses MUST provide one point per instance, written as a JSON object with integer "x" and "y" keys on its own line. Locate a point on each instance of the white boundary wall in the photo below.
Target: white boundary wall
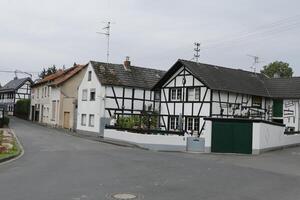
{"x": 153, "y": 142}
{"x": 267, "y": 137}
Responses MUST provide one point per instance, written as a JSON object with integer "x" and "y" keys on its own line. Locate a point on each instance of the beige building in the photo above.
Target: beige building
{"x": 54, "y": 98}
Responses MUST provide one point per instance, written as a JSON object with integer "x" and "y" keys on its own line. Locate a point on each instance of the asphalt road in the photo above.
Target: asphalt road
{"x": 57, "y": 166}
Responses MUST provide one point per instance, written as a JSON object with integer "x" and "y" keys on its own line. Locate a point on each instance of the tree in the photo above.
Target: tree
{"x": 278, "y": 68}
{"x": 48, "y": 71}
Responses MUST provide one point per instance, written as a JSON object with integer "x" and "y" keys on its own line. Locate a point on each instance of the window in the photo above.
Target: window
{"x": 91, "y": 120}
{"x": 173, "y": 123}
{"x": 83, "y": 119}
{"x": 45, "y": 91}
{"x": 193, "y": 124}
{"x": 157, "y": 95}
{"x": 38, "y": 93}
{"x": 256, "y": 101}
{"x": 89, "y": 75}
{"x": 84, "y": 95}
{"x": 193, "y": 94}
{"x": 42, "y": 92}
{"x": 176, "y": 94}
{"x": 53, "y": 110}
{"x": 92, "y": 95}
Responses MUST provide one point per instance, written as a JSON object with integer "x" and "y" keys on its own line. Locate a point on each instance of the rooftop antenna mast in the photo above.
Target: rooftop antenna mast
{"x": 197, "y": 51}
{"x": 107, "y": 34}
{"x": 256, "y": 60}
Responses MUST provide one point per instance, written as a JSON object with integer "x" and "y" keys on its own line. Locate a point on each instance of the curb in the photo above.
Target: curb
{"x": 14, "y": 157}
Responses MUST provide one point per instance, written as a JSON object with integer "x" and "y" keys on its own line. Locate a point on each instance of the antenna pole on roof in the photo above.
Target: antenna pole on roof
{"x": 197, "y": 51}
{"x": 256, "y": 60}
{"x": 107, "y": 34}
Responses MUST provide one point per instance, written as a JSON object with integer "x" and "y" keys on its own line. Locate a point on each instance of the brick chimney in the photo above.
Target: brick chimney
{"x": 127, "y": 63}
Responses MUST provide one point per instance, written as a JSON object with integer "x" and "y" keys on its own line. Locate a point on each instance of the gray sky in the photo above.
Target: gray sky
{"x": 38, "y": 33}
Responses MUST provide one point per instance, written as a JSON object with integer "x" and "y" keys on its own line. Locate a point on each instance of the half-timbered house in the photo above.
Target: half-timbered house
{"x": 14, "y": 90}
{"x": 191, "y": 91}
{"x": 110, "y": 90}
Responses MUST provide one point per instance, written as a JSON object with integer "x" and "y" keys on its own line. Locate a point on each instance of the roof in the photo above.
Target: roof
{"x": 116, "y": 74}
{"x": 15, "y": 84}
{"x": 287, "y": 88}
{"x": 60, "y": 76}
{"x": 237, "y": 80}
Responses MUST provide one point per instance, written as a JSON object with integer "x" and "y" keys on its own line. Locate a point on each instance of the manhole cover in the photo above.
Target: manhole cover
{"x": 124, "y": 196}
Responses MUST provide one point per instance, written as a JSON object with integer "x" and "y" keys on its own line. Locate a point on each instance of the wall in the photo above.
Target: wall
{"x": 90, "y": 107}
{"x": 153, "y": 142}
{"x": 268, "y": 137}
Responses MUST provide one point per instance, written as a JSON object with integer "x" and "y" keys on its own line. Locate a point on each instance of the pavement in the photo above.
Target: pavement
{"x": 59, "y": 166}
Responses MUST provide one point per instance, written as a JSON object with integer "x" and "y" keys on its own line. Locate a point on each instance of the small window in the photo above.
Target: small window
{"x": 92, "y": 95}
{"x": 84, "y": 95}
{"x": 176, "y": 94}
{"x": 89, "y": 75}
{"x": 256, "y": 101}
{"x": 193, "y": 94}
{"x": 173, "y": 123}
{"x": 83, "y": 119}
{"x": 193, "y": 124}
{"x": 91, "y": 120}
{"x": 157, "y": 95}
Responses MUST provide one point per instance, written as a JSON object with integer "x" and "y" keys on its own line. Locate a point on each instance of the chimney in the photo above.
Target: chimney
{"x": 127, "y": 63}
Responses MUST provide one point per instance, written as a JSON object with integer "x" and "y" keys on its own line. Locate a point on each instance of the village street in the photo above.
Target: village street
{"x": 57, "y": 166}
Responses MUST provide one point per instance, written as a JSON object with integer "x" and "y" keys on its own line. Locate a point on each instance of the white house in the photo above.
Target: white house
{"x": 13, "y": 91}
{"x": 110, "y": 90}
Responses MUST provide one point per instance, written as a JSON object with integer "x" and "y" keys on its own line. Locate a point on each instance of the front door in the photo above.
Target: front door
{"x": 67, "y": 120}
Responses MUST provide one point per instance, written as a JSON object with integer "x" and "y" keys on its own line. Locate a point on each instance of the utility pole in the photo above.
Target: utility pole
{"x": 197, "y": 51}
{"x": 107, "y": 34}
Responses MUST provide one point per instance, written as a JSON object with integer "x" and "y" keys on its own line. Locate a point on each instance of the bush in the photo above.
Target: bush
{"x": 22, "y": 108}
{"x": 142, "y": 121}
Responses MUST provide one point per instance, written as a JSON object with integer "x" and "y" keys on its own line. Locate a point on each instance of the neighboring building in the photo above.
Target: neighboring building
{"x": 13, "y": 91}
{"x": 110, "y": 90}
{"x": 192, "y": 91}
{"x": 54, "y": 98}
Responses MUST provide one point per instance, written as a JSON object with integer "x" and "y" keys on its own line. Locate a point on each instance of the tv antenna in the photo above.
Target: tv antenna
{"x": 197, "y": 51}
{"x": 107, "y": 34}
{"x": 256, "y": 60}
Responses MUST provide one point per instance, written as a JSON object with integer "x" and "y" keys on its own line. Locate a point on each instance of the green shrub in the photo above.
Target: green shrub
{"x": 22, "y": 108}
{"x": 142, "y": 121}
{"x": 4, "y": 122}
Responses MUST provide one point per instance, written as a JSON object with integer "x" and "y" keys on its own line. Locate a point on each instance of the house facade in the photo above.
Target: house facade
{"x": 13, "y": 91}
{"x": 190, "y": 92}
{"x": 111, "y": 90}
{"x": 54, "y": 98}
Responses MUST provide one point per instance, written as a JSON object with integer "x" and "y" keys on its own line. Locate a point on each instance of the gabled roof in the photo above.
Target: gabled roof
{"x": 116, "y": 74}
{"x": 237, "y": 80}
{"x": 15, "y": 84}
{"x": 60, "y": 76}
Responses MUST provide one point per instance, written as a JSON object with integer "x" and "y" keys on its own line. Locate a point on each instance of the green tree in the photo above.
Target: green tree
{"x": 278, "y": 68}
{"x": 48, "y": 71}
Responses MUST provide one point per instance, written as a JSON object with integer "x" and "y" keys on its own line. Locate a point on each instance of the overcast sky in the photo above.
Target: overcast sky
{"x": 40, "y": 33}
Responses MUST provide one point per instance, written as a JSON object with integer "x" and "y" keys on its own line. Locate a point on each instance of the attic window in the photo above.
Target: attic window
{"x": 89, "y": 75}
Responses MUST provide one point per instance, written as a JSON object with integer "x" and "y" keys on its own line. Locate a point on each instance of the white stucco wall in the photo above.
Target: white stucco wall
{"x": 154, "y": 142}
{"x": 268, "y": 136}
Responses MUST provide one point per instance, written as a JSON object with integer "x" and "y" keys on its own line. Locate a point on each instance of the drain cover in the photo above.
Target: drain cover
{"x": 124, "y": 196}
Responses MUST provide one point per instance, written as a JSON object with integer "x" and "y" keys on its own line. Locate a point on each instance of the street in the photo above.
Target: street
{"x": 58, "y": 166}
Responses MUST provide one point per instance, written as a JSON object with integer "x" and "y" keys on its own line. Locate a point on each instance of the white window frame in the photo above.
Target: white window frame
{"x": 174, "y": 125}
{"x": 91, "y": 120}
{"x": 174, "y": 94}
{"x": 84, "y": 95}
{"x": 193, "y": 93}
{"x": 83, "y": 119}
{"x": 89, "y": 75}
{"x": 192, "y": 123}
{"x": 94, "y": 91}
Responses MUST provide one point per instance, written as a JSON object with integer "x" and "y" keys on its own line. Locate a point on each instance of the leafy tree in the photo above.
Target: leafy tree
{"x": 279, "y": 68}
{"x": 48, "y": 71}
{"x": 22, "y": 108}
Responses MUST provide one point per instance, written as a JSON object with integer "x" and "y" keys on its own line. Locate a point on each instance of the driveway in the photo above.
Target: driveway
{"x": 57, "y": 166}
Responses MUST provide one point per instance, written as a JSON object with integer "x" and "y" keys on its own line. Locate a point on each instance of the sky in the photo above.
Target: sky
{"x": 40, "y": 33}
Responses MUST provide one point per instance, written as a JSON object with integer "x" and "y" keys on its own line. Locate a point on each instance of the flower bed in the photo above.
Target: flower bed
{"x": 9, "y": 147}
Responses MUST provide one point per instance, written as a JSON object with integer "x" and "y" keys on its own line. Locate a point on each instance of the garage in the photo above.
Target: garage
{"x": 231, "y": 137}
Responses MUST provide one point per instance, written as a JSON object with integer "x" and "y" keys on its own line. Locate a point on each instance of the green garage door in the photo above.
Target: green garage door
{"x": 232, "y": 137}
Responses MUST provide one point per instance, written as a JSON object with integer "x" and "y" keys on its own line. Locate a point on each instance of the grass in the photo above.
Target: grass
{"x": 15, "y": 151}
